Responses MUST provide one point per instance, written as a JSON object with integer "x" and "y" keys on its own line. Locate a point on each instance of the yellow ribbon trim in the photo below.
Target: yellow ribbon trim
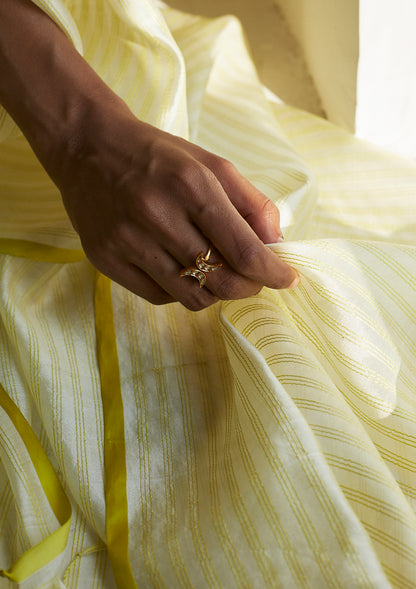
{"x": 117, "y": 526}
{"x": 39, "y": 251}
{"x": 41, "y": 554}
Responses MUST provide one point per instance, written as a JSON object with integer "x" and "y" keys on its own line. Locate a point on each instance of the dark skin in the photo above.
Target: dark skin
{"x": 144, "y": 202}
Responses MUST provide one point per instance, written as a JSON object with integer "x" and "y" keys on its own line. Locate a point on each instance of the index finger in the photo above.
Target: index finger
{"x": 219, "y": 220}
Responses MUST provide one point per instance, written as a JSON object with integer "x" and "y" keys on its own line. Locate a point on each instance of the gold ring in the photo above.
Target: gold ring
{"x": 201, "y": 268}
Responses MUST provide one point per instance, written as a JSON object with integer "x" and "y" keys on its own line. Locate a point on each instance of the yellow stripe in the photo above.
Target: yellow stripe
{"x": 41, "y": 554}
{"x": 117, "y": 527}
{"x": 39, "y": 251}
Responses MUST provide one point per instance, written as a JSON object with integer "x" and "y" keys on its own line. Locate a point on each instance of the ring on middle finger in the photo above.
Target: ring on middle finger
{"x": 202, "y": 268}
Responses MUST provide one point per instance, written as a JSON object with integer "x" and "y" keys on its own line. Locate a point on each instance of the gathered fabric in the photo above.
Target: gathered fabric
{"x": 268, "y": 442}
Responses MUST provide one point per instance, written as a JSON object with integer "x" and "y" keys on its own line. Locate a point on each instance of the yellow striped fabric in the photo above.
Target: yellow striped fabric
{"x": 262, "y": 443}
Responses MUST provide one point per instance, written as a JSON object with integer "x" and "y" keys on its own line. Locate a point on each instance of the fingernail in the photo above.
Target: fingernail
{"x": 280, "y": 239}
{"x": 295, "y": 281}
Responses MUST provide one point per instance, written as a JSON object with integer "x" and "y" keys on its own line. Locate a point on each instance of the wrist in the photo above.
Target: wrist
{"x": 45, "y": 85}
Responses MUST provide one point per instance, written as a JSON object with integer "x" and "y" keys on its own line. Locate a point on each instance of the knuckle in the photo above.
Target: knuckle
{"x": 118, "y": 236}
{"x": 206, "y": 210}
{"x": 96, "y": 251}
{"x": 229, "y": 288}
{"x": 122, "y": 240}
{"x": 141, "y": 206}
{"x": 186, "y": 177}
{"x": 222, "y": 167}
{"x": 198, "y": 300}
{"x": 159, "y": 299}
{"x": 257, "y": 289}
{"x": 249, "y": 257}
{"x": 145, "y": 209}
{"x": 194, "y": 305}
{"x": 119, "y": 242}
{"x": 270, "y": 210}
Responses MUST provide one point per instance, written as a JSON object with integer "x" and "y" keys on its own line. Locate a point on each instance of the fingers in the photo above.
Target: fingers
{"x": 223, "y": 282}
{"x": 176, "y": 240}
{"x": 153, "y": 273}
{"x": 132, "y": 278}
{"x": 202, "y": 197}
{"x": 184, "y": 242}
{"x": 239, "y": 245}
{"x": 258, "y": 210}
{"x": 165, "y": 211}
{"x": 248, "y": 255}
{"x": 167, "y": 274}
{"x": 157, "y": 279}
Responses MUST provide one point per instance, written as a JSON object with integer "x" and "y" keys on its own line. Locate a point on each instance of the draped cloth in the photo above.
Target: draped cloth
{"x": 261, "y": 443}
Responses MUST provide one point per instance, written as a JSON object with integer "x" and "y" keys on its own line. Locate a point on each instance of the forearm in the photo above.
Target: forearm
{"x": 143, "y": 202}
{"x": 45, "y": 85}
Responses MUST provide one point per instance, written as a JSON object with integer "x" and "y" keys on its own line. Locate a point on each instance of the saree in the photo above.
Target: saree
{"x": 261, "y": 443}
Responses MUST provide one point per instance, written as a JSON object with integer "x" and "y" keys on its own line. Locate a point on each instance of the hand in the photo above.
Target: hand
{"x": 145, "y": 203}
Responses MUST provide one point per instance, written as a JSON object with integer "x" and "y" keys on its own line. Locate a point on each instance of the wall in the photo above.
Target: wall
{"x": 386, "y": 88}
{"x": 328, "y": 33}
{"x": 277, "y": 55}
{"x": 362, "y": 56}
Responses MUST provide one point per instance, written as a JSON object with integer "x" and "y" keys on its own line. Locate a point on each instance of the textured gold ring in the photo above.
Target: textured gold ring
{"x": 201, "y": 268}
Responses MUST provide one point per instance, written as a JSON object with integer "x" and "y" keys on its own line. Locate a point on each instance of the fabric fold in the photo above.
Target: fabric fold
{"x": 17, "y": 441}
{"x": 265, "y": 442}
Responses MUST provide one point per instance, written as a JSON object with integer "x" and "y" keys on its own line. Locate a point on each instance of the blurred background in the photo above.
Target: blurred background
{"x": 352, "y": 61}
